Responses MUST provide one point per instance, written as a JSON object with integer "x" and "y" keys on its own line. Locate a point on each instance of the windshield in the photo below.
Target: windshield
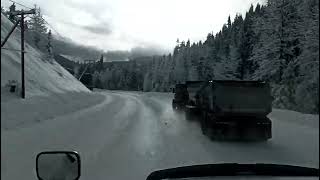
{"x": 136, "y": 86}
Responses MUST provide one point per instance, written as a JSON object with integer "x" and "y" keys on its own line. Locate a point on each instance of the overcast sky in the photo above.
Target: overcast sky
{"x": 125, "y": 24}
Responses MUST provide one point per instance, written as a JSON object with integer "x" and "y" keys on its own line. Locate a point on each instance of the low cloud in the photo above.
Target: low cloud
{"x": 117, "y": 55}
{"x": 102, "y": 29}
{"x": 125, "y": 24}
{"x": 95, "y": 9}
{"x": 150, "y": 50}
{"x": 138, "y": 51}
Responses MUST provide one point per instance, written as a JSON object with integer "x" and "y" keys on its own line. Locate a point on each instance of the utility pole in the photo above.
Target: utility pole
{"x": 23, "y": 92}
{"x": 22, "y": 13}
{"x": 88, "y": 62}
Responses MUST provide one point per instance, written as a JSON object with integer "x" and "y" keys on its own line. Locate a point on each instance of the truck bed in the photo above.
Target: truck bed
{"x": 236, "y": 98}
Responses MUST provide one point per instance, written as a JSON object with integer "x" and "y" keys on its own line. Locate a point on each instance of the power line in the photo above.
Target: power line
{"x": 41, "y": 56}
{"x": 52, "y": 28}
{"x": 9, "y": 49}
{"x": 43, "y": 19}
{"x": 20, "y": 4}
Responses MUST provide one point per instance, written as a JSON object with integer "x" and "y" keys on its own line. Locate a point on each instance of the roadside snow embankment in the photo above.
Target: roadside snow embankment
{"x": 309, "y": 120}
{"x": 42, "y": 76}
{"x": 50, "y": 89}
{"x": 20, "y": 113}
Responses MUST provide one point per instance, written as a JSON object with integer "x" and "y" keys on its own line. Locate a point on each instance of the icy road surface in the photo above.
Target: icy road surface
{"x": 130, "y": 134}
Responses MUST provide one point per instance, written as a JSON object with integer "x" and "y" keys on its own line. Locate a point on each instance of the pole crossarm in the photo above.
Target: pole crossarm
{"x": 10, "y": 32}
{"x": 15, "y": 13}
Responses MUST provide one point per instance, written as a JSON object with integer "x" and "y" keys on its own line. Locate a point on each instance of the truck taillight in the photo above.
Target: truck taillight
{"x": 263, "y": 123}
{"x": 227, "y": 123}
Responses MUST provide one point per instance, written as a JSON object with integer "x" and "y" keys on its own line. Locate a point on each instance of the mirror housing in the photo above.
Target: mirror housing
{"x": 58, "y": 165}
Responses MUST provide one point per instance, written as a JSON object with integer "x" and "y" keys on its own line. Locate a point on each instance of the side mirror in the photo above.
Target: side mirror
{"x": 64, "y": 165}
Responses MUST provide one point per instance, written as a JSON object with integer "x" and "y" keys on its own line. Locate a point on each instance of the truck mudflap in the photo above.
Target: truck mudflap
{"x": 237, "y": 130}
{"x": 192, "y": 112}
{"x": 178, "y": 106}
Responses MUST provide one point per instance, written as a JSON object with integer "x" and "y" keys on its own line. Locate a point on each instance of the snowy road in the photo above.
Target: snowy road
{"x": 130, "y": 134}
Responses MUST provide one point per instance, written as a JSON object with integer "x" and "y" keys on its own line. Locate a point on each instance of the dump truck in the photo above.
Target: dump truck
{"x": 227, "y": 109}
{"x": 181, "y": 97}
{"x": 184, "y": 94}
{"x": 193, "y": 87}
{"x": 235, "y": 110}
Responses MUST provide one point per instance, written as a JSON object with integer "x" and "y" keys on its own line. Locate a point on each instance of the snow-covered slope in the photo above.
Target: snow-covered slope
{"x": 41, "y": 76}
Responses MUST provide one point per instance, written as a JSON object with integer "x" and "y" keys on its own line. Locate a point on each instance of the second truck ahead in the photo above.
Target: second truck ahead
{"x": 181, "y": 97}
{"x": 230, "y": 110}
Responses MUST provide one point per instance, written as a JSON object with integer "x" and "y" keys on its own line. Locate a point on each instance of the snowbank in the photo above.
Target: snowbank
{"x": 309, "y": 120}
{"x": 50, "y": 89}
{"x": 19, "y": 113}
{"x": 42, "y": 77}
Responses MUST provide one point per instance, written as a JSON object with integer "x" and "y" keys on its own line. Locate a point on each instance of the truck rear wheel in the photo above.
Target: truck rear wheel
{"x": 210, "y": 134}
{"x": 174, "y": 105}
{"x": 210, "y": 130}
{"x": 204, "y": 126}
{"x": 188, "y": 114}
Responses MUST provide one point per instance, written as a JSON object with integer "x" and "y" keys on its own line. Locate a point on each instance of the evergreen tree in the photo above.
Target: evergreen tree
{"x": 37, "y": 26}
{"x": 11, "y": 17}
{"x": 247, "y": 43}
{"x": 188, "y": 44}
{"x": 229, "y": 22}
{"x": 37, "y": 23}
{"x": 258, "y": 9}
{"x": 49, "y": 45}
{"x": 236, "y": 39}
{"x": 226, "y": 41}
{"x": 100, "y": 66}
{"x": 307, "y": 64}
{"x": 268, "y": 52}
